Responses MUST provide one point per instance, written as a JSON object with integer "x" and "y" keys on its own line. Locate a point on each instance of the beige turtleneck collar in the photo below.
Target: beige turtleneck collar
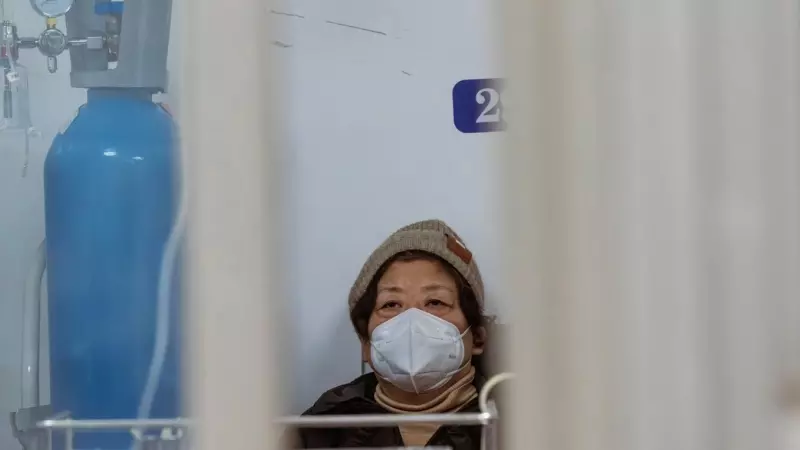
{"x": 452, "y": 399}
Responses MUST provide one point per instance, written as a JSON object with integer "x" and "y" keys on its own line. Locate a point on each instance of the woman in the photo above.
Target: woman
{"x": 417, "y": 307}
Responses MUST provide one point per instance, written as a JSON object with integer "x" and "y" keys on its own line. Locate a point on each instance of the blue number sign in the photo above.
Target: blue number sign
{"x": 477, "y": 105}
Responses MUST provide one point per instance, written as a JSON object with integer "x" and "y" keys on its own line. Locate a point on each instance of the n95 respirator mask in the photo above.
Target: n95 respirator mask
{"x": 417, "y": 351}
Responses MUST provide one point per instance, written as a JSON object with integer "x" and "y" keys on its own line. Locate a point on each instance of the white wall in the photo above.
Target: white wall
{"x": 370, "y": 147}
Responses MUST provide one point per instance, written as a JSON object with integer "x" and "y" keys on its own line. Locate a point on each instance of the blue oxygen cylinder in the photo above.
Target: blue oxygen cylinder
{"x": 110, "y": 202}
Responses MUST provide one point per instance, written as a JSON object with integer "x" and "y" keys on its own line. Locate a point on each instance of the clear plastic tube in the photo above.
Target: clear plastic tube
{"x": 31, "y": 316}
{"x": 169, "y": 262}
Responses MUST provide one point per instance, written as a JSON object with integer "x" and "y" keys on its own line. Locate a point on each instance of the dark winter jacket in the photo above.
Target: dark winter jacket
{"x": 357, "y": 397}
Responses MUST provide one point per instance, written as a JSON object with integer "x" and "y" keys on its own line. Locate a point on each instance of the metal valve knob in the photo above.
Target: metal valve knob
{"x": 52, "y": 42}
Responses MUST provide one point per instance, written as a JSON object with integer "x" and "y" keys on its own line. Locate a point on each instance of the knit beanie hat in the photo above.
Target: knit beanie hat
{"x": 431, "y": 236}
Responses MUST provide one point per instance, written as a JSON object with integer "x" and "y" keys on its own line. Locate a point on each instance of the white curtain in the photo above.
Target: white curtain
{"x": 228, "y": 143}
{"x": 651, "y": 170}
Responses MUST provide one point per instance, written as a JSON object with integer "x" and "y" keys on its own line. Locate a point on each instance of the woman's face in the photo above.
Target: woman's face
{"x": 422, "y": 284}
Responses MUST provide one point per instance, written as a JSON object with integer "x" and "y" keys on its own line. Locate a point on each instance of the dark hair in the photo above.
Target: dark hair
{"x": 473, "y": 312}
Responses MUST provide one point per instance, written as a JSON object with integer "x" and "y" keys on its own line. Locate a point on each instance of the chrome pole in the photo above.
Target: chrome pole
{"x": 326, "y": 421}
{"x": 490, "y": 433}
{"x": 382, "y": 420}
{"x": 69, "y": 435}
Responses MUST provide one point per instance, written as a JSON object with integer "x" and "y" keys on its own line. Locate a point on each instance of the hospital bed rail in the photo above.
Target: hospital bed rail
{"x": 487, "y": 419}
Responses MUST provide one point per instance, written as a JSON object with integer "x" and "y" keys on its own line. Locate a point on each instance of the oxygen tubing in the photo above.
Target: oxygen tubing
{"x": 169, "y": 262}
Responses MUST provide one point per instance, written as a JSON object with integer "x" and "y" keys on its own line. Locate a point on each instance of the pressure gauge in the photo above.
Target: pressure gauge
{"x": 52, "y": 8}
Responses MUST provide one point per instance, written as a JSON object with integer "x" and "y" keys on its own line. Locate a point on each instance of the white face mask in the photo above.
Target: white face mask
{"x": 416, "y": 351}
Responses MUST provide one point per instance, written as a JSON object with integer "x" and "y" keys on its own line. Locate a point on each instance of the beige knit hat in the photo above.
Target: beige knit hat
{"x": 432, "y": 236}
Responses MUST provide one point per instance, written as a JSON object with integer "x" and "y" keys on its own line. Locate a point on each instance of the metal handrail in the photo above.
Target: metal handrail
{"x": 111, "y": 424}
{"x": 382, "y": 420}
{"x": 328, "y": 421}
{"x": 487, "y": 418}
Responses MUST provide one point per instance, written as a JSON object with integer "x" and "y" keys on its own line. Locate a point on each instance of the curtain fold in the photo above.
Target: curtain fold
{"x": 651, "y": 176}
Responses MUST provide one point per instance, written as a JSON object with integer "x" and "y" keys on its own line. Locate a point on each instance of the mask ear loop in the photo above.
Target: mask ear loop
{"x": 462, "y": 366}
